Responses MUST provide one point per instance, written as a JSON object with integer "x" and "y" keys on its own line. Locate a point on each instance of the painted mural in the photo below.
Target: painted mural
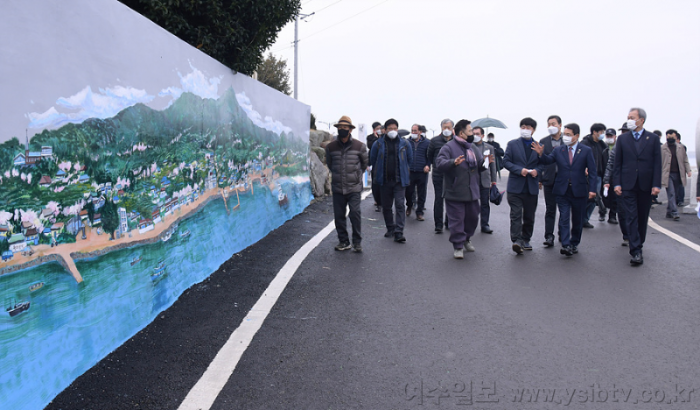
{"x": 115, "y": 201}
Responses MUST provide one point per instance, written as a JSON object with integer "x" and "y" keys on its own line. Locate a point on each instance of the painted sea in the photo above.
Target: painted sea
{"x": 69, "y": 327}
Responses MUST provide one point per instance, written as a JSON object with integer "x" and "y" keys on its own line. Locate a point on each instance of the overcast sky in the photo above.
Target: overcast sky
{"x": 420, "y": 61}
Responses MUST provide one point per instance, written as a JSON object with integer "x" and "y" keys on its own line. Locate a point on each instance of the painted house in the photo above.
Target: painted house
{"x": 17, "y": 243}
{"x": 46, "y": 151}
{"x": 19, "y": 160}
{"x": 123, "y": 221}
{"x": 75, "y": 224}
{"x": 61, "y": 174}
{"x": 57, "y": 228}
{"x": 46, "y": 213}
{"x": 145, "y": 225}
{"x": 32, "y": 157}
{"x": 115, "y": 199}
{"x": 26, "y": 226}
{"x": 83, "y": 179}
{"x": 45, "y": 181}
{"x": 83, "y": 214}
{"x": 155, "y": 215}
{"x": 165, "y": 182}
{"x": 96, "y": 219}
{"x": 32, "y": 236}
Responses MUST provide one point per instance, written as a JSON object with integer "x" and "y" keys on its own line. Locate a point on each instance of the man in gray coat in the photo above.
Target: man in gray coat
{"x": 487, "y": 178}
{"x": 347, "y": 160}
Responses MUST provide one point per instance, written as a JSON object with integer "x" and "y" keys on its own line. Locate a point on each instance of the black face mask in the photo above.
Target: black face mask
{"x": 470, "y": 138}
{"x": 343, "y": 133}
{"x": 671, "y": 141}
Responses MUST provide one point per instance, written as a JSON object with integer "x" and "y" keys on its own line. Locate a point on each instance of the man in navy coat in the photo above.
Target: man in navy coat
{"x": 522, "y": 164}
{"x": 574, "y": 184}
{"x": 636, "y": 178}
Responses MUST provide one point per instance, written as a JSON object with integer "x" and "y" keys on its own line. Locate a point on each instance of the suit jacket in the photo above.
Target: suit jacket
{"x": 574, "y": 173}
{"x": 514, "y": 161}
{"x": 637, "y": 164}
{"x": 683, "y": 164}
{"x": 550, "y": 171}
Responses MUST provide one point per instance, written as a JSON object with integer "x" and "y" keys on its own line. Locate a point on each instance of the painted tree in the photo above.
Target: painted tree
{"x": 110, "y": 217}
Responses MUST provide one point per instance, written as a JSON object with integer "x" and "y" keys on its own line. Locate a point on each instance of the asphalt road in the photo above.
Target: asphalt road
{"x": 405, "y": 326}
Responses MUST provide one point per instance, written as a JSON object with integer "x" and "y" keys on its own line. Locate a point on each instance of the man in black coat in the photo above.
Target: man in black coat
{"x": 377, "y": 132}
{"x": 636, "y": 177}
{"x": 549, "y": 173}
{"x": 436, "y": 143}
{"x": 594, "y": 141}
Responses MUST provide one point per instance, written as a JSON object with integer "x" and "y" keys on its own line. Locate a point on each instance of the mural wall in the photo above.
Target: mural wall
{"x": 131, "y": 167}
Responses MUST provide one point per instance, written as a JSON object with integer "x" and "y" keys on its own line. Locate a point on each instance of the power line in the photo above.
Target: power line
{"x": 332, "y": 4}
{"x": 342, "y": 21}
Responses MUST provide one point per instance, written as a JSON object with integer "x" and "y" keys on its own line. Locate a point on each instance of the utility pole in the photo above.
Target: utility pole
{"x": 296, "y": 52}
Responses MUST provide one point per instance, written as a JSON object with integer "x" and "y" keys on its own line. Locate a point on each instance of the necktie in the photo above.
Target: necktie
{"x": 571, "y": 155}
{"x": 636, "y": 136}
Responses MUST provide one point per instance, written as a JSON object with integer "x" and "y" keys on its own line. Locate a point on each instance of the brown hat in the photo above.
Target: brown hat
{"x": 344, "y": 120}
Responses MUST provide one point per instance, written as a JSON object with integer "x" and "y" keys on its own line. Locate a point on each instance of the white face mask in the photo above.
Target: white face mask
{"x": 568, "y": 140}
{"x": 477, "y": 138}
{"x": 490, "y": 139}
{"x": 553, "y": 130}
{"x": 414, "y": 136}
{"x": 527, "y": 134}
{"x": 446, "y": 132}
{"x": 610, "y": 141}
{"x": 392, "y": 134}
{"x": 379, "y": 132}
{"x": 631, "y": 125}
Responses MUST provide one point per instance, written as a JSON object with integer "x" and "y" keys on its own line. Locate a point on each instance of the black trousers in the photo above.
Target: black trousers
{"x": 550, "y": 214}
{"x": 439, "y": 204}
{"x": 485, "y": 196}
{"x": 419, "y": 183}
{"x": 393, "y": 204}
{"x": 340, "y": 204}
{"x": 522, "y": 216}
{"x": 376, "y": 190}
{"x": 572, "y": 214}
{"x": 636, "y": 204}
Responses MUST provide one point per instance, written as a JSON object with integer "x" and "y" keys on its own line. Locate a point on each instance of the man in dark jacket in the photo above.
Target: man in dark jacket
{"x": 594, "y": 141}
{"x": 461, "y": 165}
{"x": 523, "y": 167}
{"x": 377, "y": 132}
{"x": 436, "y": 143}
{"x": 487, "y": 178}
{"x": 347, "y": 160}
{"x": 390, "y": 157}
{"x": 419, "y": 172}
{"x": 636, "y": 178}
{"x": 498, "y": 155}
{"x": 549, "y": 173}
{"x": 609, "y": 200}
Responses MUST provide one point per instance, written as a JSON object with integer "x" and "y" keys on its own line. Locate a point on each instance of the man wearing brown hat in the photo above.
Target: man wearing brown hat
{"x": 347, "y": 160}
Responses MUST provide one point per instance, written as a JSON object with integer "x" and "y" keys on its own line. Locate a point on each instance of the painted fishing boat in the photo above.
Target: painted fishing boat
{"x": 36, "y": 286}
{"x": 18, "y": 308}
{"x": 135, "y": 260}
{"x": 282, "y": 198}
{"x": 185, "y": 234}
{"x": 167, "y": 236}
{"x": 158, "y": 270}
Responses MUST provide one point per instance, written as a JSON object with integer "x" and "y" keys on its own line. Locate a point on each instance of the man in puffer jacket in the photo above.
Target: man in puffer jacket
{"x": 419, "y": 172}
{"x": 347, "y": 160}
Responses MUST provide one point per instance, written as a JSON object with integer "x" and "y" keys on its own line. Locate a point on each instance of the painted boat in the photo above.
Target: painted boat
{"x": 135, "y": 260}
{"x": 282, "y": 198}
{"x": 167, "y": 236}
{"x": 185, "y": 234}
{"x": 158, "y": 270}
{"x": 36, "y": 286}
{"x": 18, "y": 308}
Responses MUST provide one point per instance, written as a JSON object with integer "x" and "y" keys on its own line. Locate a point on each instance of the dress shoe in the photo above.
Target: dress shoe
{"x": 527, "y": 246}
{"x": 566, "y": 250}
{"x": 438, "y": 230}
{"x": 518, "y": 247}
{"x": 549, "y": 242}
{"x": 601, "y": 218}
{"x": 389, "y": 233}
{"x": 612, "y": 221}
{"x": 408, "y": 211}
{"x": 486, "y": 229}
{"x": 378, "y": 209}
{"x": 625, "y": 242}
{"x": 588, "y": 225}
{"x": 637, "y": 259}
{"x": 419, "y": 217}
{"x": 680, "y": 204}
{"x": 655, "y": 201}
{"x": 398, "y": 237}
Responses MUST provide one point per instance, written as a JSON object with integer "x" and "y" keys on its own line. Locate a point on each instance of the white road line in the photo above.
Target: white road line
{"x": 672, "y": 235}
{"x": 207, "y": 389}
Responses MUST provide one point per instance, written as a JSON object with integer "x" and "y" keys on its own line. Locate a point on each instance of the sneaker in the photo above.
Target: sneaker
{"x": 342, "y": 246}
{"x": 681, "y": 204}
{"x": 566, "y": 250}
{"x": 574, "y": 249}
{"x": 398, "y": 237}
{"x": 469, "y": 247}
{"x": 459, "y": 254}
{"x": 517, "y": 247}
{"x": 549, "y": 242}
{"x": 357, "y": 248}
{"x": 486, "y": 229}
{"x": 526, "y": 246}
{"x": 625, "y": 242}
{"x": 676, "y": 217}
{"x": 601, "y": 218}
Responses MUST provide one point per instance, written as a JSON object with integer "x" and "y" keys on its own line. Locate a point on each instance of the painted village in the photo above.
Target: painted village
{"x": 55, "y": 209}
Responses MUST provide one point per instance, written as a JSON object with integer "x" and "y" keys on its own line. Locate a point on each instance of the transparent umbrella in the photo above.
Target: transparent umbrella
{"x": 488, "y": 122}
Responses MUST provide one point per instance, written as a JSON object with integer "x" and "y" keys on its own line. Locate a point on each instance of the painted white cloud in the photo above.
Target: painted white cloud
{"x": 87, "y": 104}
{"x": 196, "y": 83}
{"x": 268, "y": 123}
